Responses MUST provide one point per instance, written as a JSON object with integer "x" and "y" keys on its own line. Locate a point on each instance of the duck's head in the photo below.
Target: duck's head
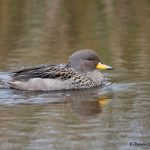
{"x": 85, "y": 61}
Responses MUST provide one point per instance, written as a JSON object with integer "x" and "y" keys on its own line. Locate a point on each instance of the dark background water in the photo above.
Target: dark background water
{"x": 45, "y": 31}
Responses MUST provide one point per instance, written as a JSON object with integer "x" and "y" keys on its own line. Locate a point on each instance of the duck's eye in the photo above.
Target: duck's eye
{"x": 89, "y": 59}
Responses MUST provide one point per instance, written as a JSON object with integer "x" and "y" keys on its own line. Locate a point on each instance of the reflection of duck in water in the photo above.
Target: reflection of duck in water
{"x": 87, "y": 103}
{"x": 80, "y": 72}
{"x": 89, "y": 108}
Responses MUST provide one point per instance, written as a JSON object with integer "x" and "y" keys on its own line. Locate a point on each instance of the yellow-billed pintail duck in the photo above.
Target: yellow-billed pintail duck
{"x": 81, "y": 72}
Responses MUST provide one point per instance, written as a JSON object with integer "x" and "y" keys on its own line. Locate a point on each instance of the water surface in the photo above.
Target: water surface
{"x": 46, "y": 32}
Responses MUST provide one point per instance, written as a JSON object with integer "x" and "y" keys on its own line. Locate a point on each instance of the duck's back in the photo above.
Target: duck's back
{"x": 54, "y": 77}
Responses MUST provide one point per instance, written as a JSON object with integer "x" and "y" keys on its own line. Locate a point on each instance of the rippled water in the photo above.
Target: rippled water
{"x": 111, "y": 117}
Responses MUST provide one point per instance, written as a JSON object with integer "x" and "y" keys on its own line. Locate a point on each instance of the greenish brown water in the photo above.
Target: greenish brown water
{"x": 45, "y": 32}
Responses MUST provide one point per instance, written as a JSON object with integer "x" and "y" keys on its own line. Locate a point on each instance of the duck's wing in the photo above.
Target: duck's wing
{"x": 45, "y": 71}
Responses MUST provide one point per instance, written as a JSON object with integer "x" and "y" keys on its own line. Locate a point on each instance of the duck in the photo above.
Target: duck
{"x": 82, "y": 71}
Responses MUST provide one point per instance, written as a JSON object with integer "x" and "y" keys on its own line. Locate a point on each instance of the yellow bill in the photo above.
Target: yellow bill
{"x": 103, "y": 66}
